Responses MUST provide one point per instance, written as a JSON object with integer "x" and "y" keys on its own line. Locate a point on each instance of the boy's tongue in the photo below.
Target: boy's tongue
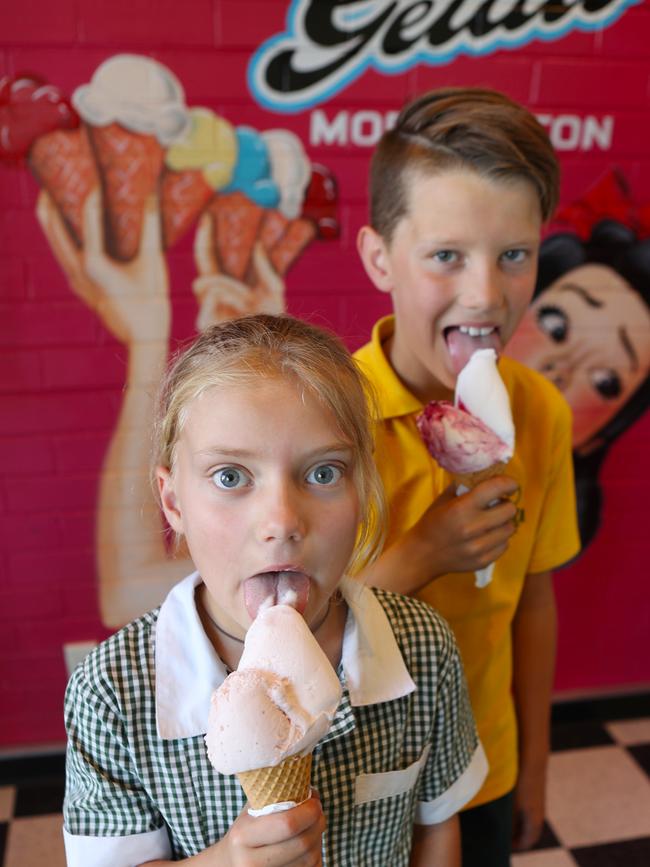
{"x": 276, "y": 588}
{"x": 461, "y": 346}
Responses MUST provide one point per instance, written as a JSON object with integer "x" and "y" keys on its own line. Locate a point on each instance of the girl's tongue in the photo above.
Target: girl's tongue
{"x": 276, "y": 588}
{"x": 461, "y": 346}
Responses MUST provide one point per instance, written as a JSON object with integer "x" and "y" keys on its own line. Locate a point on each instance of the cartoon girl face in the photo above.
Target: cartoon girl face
{"x": 589, "y": 333}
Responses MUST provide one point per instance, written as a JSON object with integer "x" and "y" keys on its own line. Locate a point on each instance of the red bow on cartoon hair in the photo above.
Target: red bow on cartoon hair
{"x": 608, "y": 199}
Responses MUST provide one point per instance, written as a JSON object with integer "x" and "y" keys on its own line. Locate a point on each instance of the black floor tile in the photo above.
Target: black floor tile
{"x": 606, "y": 709}
{"x": 641, "y": 753}
{"x": 39, "y": 798}
{"x": 548, "y": 840}
{"x": 627, "y": 853}
{"x": 577, "y": 735}
{"x": 13, "y": 771}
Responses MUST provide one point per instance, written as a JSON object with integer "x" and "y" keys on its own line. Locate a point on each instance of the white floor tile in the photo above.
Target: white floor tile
{"x": 630, "y": 731}
{"x": 597, "y": 795}
{"x": 544, "y": 858}
{"x": 35, "y": 840}
{"x": 7, "y": 795}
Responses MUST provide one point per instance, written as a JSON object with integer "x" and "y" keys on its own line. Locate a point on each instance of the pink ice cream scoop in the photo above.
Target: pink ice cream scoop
{"x": 460, "y": 442}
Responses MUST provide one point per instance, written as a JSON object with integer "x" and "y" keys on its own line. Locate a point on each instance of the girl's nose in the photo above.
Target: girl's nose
{"x": 282, "y": 518}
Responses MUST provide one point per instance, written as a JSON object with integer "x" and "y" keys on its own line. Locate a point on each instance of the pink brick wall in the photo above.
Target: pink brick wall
{"x": 61, "y": 373}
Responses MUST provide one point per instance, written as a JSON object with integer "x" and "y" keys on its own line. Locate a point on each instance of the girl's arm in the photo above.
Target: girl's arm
{"x": 436, "y": 845}
{"x": 290, "y": 837}
{"x": 534, "y": 637}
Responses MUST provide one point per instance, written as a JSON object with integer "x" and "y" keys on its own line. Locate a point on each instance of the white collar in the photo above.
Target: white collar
{"x": 188, "y": 669}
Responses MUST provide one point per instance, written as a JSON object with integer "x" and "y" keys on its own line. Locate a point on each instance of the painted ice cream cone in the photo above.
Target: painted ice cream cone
{"x": 133, "y": 108}
{"x": 63, "y": 164}
{"x": 183, "y": 196}
{"x": 197, "y": 166}
{"x": 235, "y": 224}
{"x": 129, "y": 165}
{"x": 286, "y": 250}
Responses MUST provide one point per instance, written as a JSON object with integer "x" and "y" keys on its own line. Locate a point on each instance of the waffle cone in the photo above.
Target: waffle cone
{"x": 235, "y": 223}
{"x": 288, "y": 781}
{"x": 129, "y": 167}
{"x": 63, "y": 164}
{"x": 183, "y": 195}
{"x": 471, "y": 480}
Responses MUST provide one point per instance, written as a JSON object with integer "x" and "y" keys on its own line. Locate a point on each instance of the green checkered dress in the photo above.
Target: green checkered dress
{"x": 379, "y": 769}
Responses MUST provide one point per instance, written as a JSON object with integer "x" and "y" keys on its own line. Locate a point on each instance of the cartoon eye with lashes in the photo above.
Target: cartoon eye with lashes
{"x": 229, "y": 478}
{"x": 606, "y": 382}
{"x": 554, "y": 322}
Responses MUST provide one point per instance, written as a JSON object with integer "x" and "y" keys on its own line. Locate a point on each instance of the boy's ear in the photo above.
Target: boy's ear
{"x": 168, "y": 499}
{"x": 374, "y": 255}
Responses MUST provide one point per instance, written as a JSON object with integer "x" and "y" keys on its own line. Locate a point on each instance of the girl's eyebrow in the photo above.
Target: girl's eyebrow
{"x": 230, "y": 452}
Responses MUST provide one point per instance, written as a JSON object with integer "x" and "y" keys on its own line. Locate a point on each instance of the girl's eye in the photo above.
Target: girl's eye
{"x": 606, "y": 382}
{"x": 515, "y": 257}
{"x": 324, "y": 474}
{"x": 554, "y": 322}
{"x": 230, "y": 477}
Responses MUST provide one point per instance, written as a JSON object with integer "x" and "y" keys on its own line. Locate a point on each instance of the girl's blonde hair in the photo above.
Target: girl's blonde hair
{"x": 244, "y": 350}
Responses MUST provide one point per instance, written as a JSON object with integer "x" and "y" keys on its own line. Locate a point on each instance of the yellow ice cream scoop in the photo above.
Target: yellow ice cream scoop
{"x": 210, "y": 144}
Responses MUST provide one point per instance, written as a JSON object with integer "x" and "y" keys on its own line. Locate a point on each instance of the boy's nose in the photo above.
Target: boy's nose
{"x": 482, "y": 289}
{"x": 281, "y": 518}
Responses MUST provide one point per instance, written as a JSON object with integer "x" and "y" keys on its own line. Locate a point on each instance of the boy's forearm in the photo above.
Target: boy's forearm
{"x": 405, "y": 567}
{"x": 534, "y": 648}
{"x": 436, "y": 845}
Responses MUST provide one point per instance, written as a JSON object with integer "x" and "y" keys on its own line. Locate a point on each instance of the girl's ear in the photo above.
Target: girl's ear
{"x": 168, "y": 499}
{"x": 375, "y": 258}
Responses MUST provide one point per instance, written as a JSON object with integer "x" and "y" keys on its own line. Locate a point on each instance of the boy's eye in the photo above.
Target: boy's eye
{"x": 515, "y": 257}
{"x": 324, "y": 474}
{"x": 445, "y": 256}
{"x": 230, "y": 477}
{"x": 554, "y": 322}
{"x": 606, "y": 382}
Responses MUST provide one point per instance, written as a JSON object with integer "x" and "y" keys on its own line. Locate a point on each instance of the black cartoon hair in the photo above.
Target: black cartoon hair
{"x": 616, "y": 245}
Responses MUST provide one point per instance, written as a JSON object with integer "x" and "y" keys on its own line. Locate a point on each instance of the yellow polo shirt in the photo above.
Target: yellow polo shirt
{"x": 481, "y": 618}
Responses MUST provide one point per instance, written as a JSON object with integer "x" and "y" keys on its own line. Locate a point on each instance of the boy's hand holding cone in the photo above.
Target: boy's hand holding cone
{"x": 473, "y": 439}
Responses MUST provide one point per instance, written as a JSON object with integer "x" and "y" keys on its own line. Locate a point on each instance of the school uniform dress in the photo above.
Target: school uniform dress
{"x": 402, "y": 748}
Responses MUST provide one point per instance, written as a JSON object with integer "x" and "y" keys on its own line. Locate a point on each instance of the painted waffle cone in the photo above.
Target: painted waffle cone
{"x": 235, "y": 223}
{"x": 64, "y": 166}
{"x": 288, "y": 781}
{"x": 129, "y": 167}
{"x": 471, "y": 480}
{"x": 183, "y": 196}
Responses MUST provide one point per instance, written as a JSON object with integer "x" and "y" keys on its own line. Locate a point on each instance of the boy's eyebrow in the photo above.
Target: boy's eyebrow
{"x": 582, "y": 292}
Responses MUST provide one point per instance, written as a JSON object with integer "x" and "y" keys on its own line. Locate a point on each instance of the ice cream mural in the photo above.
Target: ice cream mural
{"x": 127, "y": 170}
{"x": 130, "y": 133}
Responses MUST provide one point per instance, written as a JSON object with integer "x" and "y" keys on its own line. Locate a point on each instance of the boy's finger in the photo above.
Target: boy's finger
{"x": 491, "y": 490}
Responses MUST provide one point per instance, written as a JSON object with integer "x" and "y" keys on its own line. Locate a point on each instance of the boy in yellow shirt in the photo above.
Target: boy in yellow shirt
{"x": 459, "y": 191}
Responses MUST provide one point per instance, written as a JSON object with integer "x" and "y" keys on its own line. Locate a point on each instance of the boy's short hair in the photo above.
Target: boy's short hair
{"x": 460, "y": 128}
{"x": 248, "y": 350}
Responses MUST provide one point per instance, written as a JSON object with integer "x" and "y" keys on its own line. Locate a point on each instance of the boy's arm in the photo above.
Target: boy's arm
{"x": 436, "y": 845}
{"x": 456, "y": 534}
{"x": 534, "y": 634}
